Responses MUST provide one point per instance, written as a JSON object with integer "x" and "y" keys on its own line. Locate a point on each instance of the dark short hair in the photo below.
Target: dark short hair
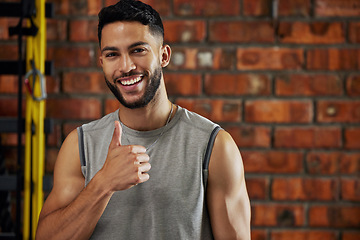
{"x": 132, "y": 11}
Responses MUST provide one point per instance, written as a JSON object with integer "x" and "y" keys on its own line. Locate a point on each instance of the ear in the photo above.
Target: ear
{"x": 165, "y": 55}
{"x": 101, "y": 61}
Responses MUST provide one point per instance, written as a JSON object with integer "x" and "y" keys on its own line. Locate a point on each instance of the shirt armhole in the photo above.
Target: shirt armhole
{"x": 208, "y": 153}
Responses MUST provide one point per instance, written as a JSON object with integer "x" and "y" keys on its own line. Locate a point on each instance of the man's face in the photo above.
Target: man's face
{"x": 131, "y": 59}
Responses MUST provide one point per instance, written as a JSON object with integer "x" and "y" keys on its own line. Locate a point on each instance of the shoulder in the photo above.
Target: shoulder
{"x": 197, "y": 121}
{"x": 101, "y": 123}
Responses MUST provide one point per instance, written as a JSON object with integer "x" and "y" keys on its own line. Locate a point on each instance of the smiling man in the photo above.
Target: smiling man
{"x": 151, "y": 169}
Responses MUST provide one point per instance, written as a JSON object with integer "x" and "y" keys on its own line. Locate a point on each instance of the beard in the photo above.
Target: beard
{"x": 150, "y": 91}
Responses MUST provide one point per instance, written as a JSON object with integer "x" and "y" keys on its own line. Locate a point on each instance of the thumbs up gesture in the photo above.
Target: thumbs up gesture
{"x": 125, "y": 166}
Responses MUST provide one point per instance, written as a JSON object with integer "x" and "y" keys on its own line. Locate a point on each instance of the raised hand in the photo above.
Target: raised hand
{"x": 125, "y": 166}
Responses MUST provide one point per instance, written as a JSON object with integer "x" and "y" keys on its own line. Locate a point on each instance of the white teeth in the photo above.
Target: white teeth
{"x": 131, "y": 81}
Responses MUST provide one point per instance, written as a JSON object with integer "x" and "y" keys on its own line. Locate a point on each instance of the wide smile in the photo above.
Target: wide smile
{"x": 129, "y": 81}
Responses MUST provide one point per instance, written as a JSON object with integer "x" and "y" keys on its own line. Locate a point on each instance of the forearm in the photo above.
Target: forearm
{"x": 78, "y": 219}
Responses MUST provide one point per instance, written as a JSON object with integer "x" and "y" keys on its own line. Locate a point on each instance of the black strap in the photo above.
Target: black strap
{"x": 81, "y": 146}
{"x": 210, "y": 147}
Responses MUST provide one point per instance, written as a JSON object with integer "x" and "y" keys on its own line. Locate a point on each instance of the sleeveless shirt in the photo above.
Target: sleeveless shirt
{"x": 172, "y": 203}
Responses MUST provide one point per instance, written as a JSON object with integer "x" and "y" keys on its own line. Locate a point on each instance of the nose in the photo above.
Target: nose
{"x": 126, "y": 64}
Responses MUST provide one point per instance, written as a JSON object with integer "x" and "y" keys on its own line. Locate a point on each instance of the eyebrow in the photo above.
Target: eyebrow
{"x": 109, "y": 48}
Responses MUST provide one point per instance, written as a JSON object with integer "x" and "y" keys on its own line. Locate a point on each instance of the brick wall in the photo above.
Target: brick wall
{"x": 283, "y": 77}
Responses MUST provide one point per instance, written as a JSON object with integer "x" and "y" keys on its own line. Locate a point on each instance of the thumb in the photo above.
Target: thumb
{"x": 116, "y": 138}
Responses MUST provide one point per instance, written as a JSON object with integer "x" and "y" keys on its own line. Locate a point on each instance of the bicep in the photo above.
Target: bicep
{"x": 68, "y": 179}
{"x": 227, "y": 197}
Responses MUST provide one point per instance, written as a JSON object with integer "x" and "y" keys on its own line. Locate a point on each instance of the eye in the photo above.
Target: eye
{"x": 110, "y": 54}
{"x": 138, "y": 50}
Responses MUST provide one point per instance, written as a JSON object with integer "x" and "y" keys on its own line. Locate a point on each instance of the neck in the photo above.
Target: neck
{"x": 150, "y": 117}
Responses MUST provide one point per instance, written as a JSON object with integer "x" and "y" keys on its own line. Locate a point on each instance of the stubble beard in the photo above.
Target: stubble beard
{"x": 150, "y": 91}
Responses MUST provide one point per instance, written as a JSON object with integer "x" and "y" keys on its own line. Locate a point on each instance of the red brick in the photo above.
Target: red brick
{"x": 217, "y": 110}
{"x": 241, "y": 32}
{"x": 300, "y": 189}
{"x": 9, "y": 107}
{"x": 333, "y": 59}
{"x": 71, "y": 56}
{"x": 353, "y": 85}
{"x": 294, "y": 7}
{"x": 50, "y": 159}
{"x": 188, "y": 58}
{"x": 352, "y": 138}
{"x": 184, "y": 84}
{"x": 54, "y": 139}
{"x": 11, "y": 139}
{"x": 333, "y": 163}
{"x": 303, "y": 235}
{"x": 161, "y": 6}
{"x": 350, "y": 235}
{"x": 311, "y": 33}
{"x": 258, "y": 234}
{"x": 56, "y": 30}
{"x": 257, "y": 7}
{"x": 277, "y": 215}
{"x": 334, "y": 216}
{"x": 250, "y": 136}
{"x": 338, "y": 111}
{"x": 344, "y": 8}
{"x": 5, "y": 23}
{"x": 253, "y": 58}
{"x": 83, "y": 30}
{"x": 307, "y": 137}
{"x": 84, "y": 82}
{"x": 272, "y": 162}
{"x": 350, "y": 189}
{"x": 9, "y": 84}
{"x": 73, "y": 108}
{"x": 278, "y": 111}
{"x": 237, "y": 84}
{"x": 69, "y": 127}
{"x": 9, "y": 52}
{"x": 61, "y": 7}
{"x": 111, "y": 105}
{"x": 206, "y": 8}
{"x": 257, "y": 188}
{"x": 308, "y": 85}
{"x": 354, "y": 32}
{"x": 184, "y": 31}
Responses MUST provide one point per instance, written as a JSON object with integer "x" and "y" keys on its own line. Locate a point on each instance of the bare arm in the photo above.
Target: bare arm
{"x": 227, "y": 197}
{"x": 72, "y": 211}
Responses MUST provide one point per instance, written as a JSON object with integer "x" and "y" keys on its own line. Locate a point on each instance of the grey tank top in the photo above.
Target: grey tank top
{"x": 171, "y": 204}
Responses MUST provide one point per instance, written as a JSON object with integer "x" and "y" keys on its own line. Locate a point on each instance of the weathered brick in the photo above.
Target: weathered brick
{"x": 218, "y": 110}
{"x": 250, "y": 136}
{"x": 257, "y": 7}
{"x": 237, "y": 84}
{"x": 83, "y": 30}
{"x": 9, "y": 84}
{"x": 354, "y": 32}
{"x": 9, "y": 107}
{"x": 258, "y": 234}
{"x": 338, "y": 111}
{"x": 253, "y": 58}
{"x": 308, "y": 85}
{"x": 184, "y": 31}
{"x": 206, "y": 8}
{"x": 352, "y": 138}
{"x": 71, "y": 56}
{"x": 9, "y": 52}
{"x": 345, "y": 8}
{"x": 205, "y": 58}
{"x": 50, "y": 159}
{"x": 5, "y": 23}
{"x": 111, "y": 105}
{"x": 333, "y": 163}
{"x": 353, "y": 85}
{"x": 184, "y": 84}
{"x": 350, "y": 189}
{"x": 56, "y": 30}
{"x": 271, "y": 215}
{"x": 54, "y": 139}
{"x": 308, "y": 189}
{"x": 307, "y": 137}
{"x": 68, "y": 127}
{"x": 241, "y": 32}
{"x": 303, "y": 235}
{"x": 334, "y": 216}
{"x": 161, "y": 6}
{"x": 272, "y": 161}
{"x": 61, "y": 7}
{"x": 311, "y": 33}
{"x": 11, "y": 139}
{"x": 333, "y": 59}
{"x": 294, "y": 7}
{"x": 350, "y": 235}
{"x": 257, "y": 188}
{"x": 73, "y": 108}
{"x": 278, "y": 111}
{"x": 84, "y": 82}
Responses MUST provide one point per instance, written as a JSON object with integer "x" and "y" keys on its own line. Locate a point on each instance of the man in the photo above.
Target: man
{"x": 150, "y": 170}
